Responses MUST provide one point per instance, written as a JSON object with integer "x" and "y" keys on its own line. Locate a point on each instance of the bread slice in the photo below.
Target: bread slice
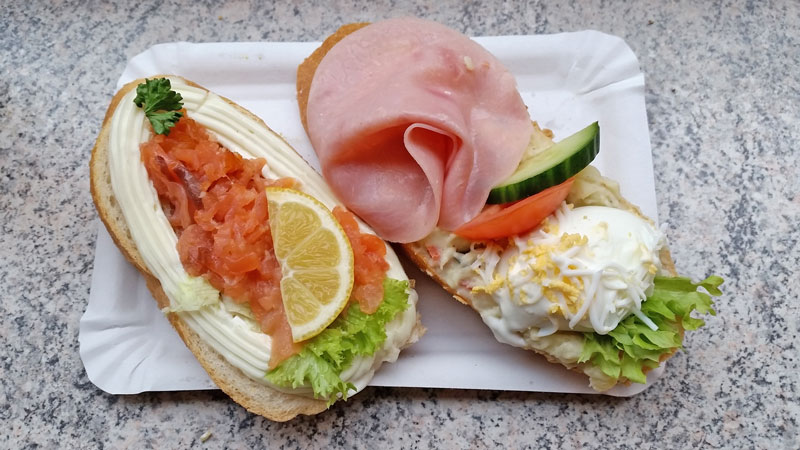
{"x": 551, "y": 347}
{"x": 253, "y": 395}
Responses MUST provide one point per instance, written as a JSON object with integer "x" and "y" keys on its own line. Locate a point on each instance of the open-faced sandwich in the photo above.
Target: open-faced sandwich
{"x": 286, "y": 299}
{"x": 422, "y": 133}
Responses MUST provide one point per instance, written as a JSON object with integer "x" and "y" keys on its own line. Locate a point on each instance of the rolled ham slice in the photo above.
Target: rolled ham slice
{"x": 413, "y": 124}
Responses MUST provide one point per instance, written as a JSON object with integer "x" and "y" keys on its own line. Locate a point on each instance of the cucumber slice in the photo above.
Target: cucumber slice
{"x": 549, "y": 167}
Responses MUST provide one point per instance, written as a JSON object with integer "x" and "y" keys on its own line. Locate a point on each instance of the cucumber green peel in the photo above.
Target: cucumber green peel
{"x": 549, "y": 167}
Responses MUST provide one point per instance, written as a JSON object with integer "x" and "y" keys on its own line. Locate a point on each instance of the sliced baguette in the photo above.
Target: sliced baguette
{"x": 417, "y": 251}
{"x": 253, "y": 395}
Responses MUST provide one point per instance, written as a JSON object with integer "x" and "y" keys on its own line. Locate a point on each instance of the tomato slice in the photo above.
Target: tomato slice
{"x": 509, "y": 219}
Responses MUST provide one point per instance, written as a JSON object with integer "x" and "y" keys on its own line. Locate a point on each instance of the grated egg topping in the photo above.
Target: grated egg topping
{"x": 582, "y": 269}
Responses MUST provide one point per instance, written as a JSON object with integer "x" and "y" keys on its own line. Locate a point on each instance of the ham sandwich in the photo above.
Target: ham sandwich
{"x": 414, "y": 124}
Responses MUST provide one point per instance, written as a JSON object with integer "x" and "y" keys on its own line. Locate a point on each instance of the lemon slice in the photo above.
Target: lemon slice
{"x": 316, "y": 261}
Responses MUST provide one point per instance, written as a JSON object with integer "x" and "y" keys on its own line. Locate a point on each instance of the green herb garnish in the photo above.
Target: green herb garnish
{"x": 161, "y": 104}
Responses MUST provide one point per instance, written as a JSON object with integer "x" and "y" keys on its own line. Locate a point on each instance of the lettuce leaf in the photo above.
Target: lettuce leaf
{"x": 352, "y": 334}
{"x": 632, "y": 346}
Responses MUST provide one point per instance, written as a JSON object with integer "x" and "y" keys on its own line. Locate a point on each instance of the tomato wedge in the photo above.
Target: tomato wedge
{"x": 509, "y": 219}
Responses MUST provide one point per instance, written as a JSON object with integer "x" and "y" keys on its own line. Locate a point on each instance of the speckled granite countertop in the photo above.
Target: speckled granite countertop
{"x": 723, "y": 99}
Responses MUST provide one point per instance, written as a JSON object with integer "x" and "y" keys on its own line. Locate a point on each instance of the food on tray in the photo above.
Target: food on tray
{"x": 286, "y": 299}
{"x": 422, "y": 133}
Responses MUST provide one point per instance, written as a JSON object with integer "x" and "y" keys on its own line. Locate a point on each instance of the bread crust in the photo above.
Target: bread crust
{"x": 416, "y": 251}
{"x": 254, "y": 396}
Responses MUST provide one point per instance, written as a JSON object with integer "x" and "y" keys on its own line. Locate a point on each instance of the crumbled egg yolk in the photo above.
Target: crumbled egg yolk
{"x": 566, "y": 290}
{"x": 497, "y": 282}
{"x": 544, "y": 269}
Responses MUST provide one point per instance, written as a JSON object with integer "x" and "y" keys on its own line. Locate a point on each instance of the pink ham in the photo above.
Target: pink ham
{"x": 413, "y": 124}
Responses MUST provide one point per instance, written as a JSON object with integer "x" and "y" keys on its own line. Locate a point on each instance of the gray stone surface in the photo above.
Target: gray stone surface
{"x": 723, "y": 99}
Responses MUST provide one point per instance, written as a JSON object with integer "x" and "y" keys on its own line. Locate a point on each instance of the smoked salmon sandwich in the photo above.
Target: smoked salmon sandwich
{"x": 287, "y": 300}
{"x": 422, "y": 133}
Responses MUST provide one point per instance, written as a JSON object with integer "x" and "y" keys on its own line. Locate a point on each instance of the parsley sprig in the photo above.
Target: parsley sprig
{"x": 161, "y": 104}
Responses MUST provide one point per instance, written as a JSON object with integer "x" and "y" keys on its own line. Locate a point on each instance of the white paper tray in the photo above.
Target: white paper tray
{"x": 567, "y": 80}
